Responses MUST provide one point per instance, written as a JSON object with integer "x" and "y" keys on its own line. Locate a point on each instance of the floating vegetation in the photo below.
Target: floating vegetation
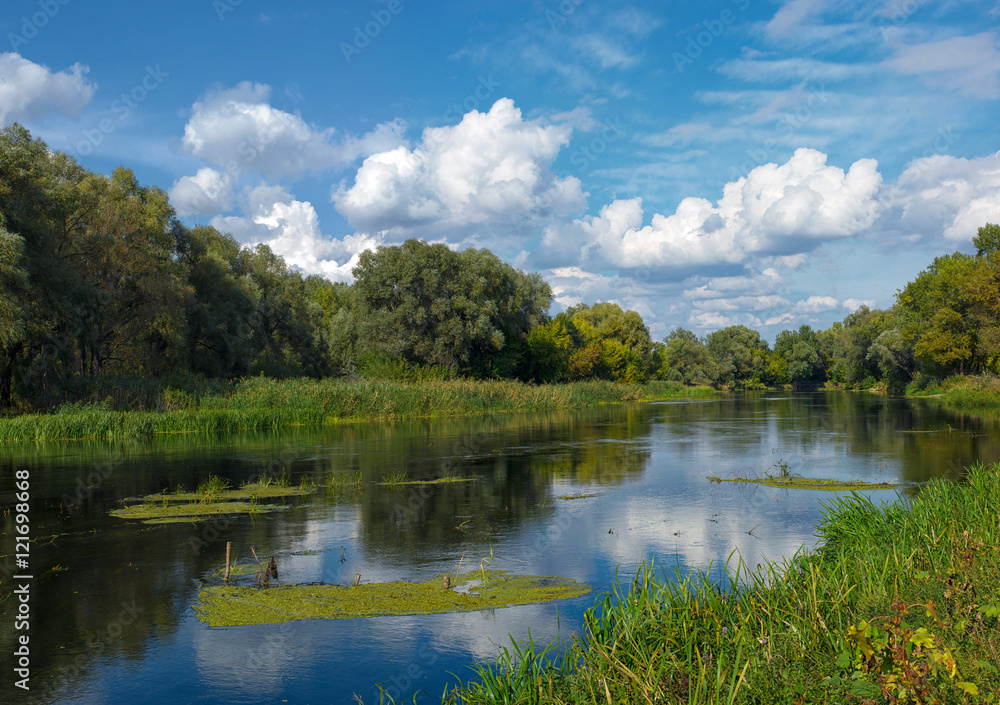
{"x": 344, "y": 482}
{"x": 165, "y": 513}
{"x": 214, "y": 489}
{"x": 222, "y": 606}
{"x": 578, "y": 496}
{"x": 396, "y": 479}
{"x": 797, "y": 482}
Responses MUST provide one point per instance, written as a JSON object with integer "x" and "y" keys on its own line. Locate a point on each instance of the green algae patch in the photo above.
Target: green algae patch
{"x": 244, "y": 493}
{"x": 178, "y": 513}
{"x": 222, "y": 606}
{"x": 577, "y": 496}
{"x": 439, "y": 481}
{"x": 809, "y": 483}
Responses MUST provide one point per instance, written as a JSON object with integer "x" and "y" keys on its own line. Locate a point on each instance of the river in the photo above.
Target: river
{"x": 581, "y": 494}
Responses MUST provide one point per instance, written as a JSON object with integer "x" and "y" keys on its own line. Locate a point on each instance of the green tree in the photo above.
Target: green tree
{"x": 739, "y": 353}
{"x": 987, "y": 240}
{"x": 935, "y": 313}
{"x": 616, "y": 343}
{"x": 687, "y": 358}
{"x": 465, "y": 311}
{"x": 800, "y": 352}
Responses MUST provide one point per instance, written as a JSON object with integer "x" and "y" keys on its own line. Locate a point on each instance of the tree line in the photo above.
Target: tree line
{"x": 99, "y": 278}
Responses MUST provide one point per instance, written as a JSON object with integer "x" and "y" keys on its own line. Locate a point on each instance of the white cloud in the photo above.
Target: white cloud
{"x": 776, "y": 209}
{"x": 816, "y": 304}
{"x": 796, "y": 69}
{"x": 944, "y": 196}
{"x": 855, "y": 304}
{"x": 206, "y": 193}
{"x": 239, "y": 130}
{"x": 489, "y": 172}
{"x": 30, "y": 91}
{"x": 970, "y": 64}
{"x": 291, "y": 229}
{"x": 792, "y": 16}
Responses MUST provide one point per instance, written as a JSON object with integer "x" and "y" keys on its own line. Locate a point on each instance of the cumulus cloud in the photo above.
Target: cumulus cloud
{"x": 206, "y": 193}
{"x": 239, "y": 130}
{"x": 944, "y": 196}
{"x": 970, "y": 65}
{"x": 291, "y": 229}
{"x": 775, "y": 210}
{"x": 30, "y": 91}
{"x": 491, "y": 172}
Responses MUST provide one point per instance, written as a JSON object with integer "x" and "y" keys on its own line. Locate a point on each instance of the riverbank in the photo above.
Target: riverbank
{"x": 262, "y": 403}
{"x": 982, "y": 392}
{"x": 899, "y": 604}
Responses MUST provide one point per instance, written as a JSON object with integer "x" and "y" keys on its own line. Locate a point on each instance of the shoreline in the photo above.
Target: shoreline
{"x": 262, "y": 403}
{"x": 898, "y": 600}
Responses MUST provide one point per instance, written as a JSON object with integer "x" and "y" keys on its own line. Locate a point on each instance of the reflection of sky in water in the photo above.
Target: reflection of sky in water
{"x": 647, "y": 466}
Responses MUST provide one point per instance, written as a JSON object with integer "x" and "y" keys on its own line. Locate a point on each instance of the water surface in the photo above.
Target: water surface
{"x": 574, "y": 493}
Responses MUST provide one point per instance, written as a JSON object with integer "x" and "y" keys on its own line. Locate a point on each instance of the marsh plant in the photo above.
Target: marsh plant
{"x": 212, "y": 487}
{"x": 343, "y": 482}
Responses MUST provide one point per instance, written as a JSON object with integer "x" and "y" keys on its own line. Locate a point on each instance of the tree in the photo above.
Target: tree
{"x": 800, "y": 352}
{"x": 987, "y": 240}
{"x": 935, "y": 313}
{"x": 616, "y": 342}
{"x": 740, "y": 354}
{"x": 687, "y": 358}
{"x": 465, "y": 311}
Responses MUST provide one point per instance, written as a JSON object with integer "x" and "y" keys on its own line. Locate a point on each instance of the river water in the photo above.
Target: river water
{"x": 579, "y": 494}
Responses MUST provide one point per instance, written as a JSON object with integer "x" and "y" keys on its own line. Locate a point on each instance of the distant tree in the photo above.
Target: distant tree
{"x": 616, "y": 343}
{"x": 800, "y": 352}
{"x": 935, "y": 313}
{"x": 739, "y": 353}
{"x": 687, "y": 358}
{"x": 987, "y": 240}
{"x": 465, "y": 311}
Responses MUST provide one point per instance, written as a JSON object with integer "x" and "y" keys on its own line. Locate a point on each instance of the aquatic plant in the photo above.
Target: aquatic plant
{"x": 469, "y": 592}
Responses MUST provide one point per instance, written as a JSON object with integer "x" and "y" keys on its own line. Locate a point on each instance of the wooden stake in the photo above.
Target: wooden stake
{"x": 229, "y": 549}
{"x": 357, "y": 579}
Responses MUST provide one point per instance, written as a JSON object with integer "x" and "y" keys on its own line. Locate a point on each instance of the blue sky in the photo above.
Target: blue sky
{"x": 707, "y": 164}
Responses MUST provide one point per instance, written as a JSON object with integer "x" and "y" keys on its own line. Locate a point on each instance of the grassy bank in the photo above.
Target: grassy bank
{"x": 972, "y": 392}
{"x": 899, "y": 604}
{"x": 260, "y": 403}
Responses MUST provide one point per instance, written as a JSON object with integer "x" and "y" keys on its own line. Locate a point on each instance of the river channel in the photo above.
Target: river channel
{"x": 580, "y": 494}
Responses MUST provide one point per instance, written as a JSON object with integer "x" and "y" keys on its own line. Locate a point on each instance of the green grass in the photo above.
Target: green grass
{"x": 797, "y": 482}
{"x": 166, "y": 513}
{"x": 899, "y": 604}
{"x": 262, "y": 403}
{"x": 972, "y": 392}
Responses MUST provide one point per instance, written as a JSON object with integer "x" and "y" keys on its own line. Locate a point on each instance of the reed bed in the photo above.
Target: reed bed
{"x": 898, "y": 605}
{"x": 973, "y": 393}
{"x": 262, "y": 403}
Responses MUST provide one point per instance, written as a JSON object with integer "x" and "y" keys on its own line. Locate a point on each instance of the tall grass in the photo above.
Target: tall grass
{"x": 972, "y": 392}
{"x": 260, "y": 403}
{"x": 899, "y": 604}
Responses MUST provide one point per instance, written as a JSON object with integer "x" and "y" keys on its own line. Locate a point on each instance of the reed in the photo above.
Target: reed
{"x": 262, "y": 403}
{"x": 899, "y": 604}
{"x": 972, "y": 392}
